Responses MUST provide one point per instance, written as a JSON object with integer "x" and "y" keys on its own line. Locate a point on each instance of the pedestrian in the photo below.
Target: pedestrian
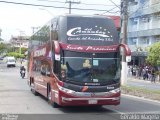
{"x": 144, "y": 73}
{"x": 153, "y": 78}
{"x": 129, "y": 71}
{"x": 137, "y": 72}
{"x": 140, "y": 72}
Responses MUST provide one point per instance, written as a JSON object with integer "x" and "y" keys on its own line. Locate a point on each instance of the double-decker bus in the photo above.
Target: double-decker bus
{"x": 75, "y": 60}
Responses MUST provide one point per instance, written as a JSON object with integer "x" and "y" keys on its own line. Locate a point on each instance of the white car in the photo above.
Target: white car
{"x": 11, "y": 61}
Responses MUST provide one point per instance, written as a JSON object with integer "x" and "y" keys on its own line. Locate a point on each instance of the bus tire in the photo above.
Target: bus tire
{"x": 49, "y": 97}
{"x": 55, "y": 105}
{"x": 98, "y": 106}
{"x": 49, "y": 94}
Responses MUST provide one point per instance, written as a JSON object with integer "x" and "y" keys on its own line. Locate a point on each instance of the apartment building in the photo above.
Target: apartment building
{"x": 19, "y": 41}
{"x": 143, "y": 27}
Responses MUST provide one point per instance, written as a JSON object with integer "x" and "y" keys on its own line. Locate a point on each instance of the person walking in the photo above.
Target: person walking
{"x": 153, "y": 77}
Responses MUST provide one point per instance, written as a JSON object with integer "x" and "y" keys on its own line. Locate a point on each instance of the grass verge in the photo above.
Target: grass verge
{"x": 141, "y": 92}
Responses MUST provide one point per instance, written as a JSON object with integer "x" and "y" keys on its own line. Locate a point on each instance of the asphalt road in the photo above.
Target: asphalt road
{"x": 17, "y": 99}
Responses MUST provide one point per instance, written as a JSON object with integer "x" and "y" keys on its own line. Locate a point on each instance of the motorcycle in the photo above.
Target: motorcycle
{"x": 23, "y": 73}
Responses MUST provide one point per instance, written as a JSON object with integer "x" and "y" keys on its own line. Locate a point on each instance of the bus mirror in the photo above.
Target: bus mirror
{"x": 56, "y": 47}
{"x": 126, "y": 48}
{"x": 128, "y": 58}
{"x": 57, "y": 57}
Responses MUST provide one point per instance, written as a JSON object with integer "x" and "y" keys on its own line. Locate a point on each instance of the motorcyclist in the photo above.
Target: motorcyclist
{"x": 22, "y": 68}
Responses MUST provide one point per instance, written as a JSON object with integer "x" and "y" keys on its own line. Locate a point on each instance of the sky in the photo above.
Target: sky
{"x": 17, "y": 19}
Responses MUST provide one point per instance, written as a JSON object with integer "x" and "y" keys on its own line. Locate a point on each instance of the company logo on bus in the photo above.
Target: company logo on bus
{"x": 92, "y": 84}
{"x": 40, "y": 52}
{"x": 96, "y": 33}
{"x": 110, "y": 87}
{"x": 90, "y": 48}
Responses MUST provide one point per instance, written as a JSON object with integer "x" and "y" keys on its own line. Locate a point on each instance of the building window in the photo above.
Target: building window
{"x": 157, "y": 39}
{"x": 132, "y": 41}
{"x": 144, "y": 41}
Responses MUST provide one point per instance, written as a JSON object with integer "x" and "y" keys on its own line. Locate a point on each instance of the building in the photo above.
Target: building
{"x": 143, "y": 27}
{"x": 19, "y": 41}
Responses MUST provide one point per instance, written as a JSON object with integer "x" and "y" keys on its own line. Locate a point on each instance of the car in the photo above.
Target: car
{"x": 1, "y": 58}
{"x": 11, "y": 61}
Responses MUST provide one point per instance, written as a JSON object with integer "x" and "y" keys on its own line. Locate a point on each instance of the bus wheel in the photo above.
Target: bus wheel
{"x": 33, "y": 89}
{"x": 98, "y": 107}
{"x": 55, "y": 105}
{"x": 49, "y": 96}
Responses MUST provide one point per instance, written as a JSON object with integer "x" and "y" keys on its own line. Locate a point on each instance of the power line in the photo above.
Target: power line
{"x": 80, "y": 3}
{"x": 52, "y": 1}
{"x": 39, "y": 5}
{"x": 108, "y": 11}
{"x": 115, "y": 4}
{"x": 27, "y": 4}
{"x": 70, "y": 4}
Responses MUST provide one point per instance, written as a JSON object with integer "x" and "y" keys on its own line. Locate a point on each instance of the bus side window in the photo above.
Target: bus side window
{"x": 48, "y": 70}
{"x": 56, "y": 67}
{"x": 43, "y": 70}
{"x": 54, "y": 35}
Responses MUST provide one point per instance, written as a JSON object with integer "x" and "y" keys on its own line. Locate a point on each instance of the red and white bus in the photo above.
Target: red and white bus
{"x": 75, "y": 60}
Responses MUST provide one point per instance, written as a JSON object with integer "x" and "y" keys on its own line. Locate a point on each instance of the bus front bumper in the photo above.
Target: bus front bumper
{"x": 84, "y": 99}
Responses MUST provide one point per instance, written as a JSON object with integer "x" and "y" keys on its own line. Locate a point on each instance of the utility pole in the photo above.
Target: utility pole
{"x": 33, "y": 29}
{"x": 70, "y": 4}
{"x": 124, "y": 14}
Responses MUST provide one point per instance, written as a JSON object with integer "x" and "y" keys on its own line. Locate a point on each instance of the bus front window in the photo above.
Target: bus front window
{"x": 88, "y": 67}
{"x": 77, "y": 68}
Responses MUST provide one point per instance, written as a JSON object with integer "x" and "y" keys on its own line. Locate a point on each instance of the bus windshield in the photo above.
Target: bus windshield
{"x": 91, "y": 67}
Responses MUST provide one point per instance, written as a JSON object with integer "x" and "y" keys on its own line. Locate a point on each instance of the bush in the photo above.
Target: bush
{"x": 15, "y": 54}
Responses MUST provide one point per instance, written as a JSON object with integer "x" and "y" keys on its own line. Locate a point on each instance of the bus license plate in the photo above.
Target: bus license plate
{"x": 92, "y": 101}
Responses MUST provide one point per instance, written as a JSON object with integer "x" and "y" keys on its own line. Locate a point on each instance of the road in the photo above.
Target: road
{"x": 16, "y": 98}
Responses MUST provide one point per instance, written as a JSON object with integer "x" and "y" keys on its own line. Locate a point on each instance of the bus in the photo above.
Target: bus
{"x": 75, "y": 60}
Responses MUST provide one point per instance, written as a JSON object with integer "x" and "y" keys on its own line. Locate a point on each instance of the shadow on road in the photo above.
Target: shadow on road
{"x": 81, "y": 109}
{"x": 85, "y": 109}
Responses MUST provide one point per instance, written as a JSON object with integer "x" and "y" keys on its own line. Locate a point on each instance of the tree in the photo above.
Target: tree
{"x": 2, "y": 47}
{"x": 154, "y": 57}
{"x": 154, "y": 54}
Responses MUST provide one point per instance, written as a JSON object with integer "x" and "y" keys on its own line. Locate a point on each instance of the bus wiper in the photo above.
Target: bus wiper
{"x": 115, "y": 80}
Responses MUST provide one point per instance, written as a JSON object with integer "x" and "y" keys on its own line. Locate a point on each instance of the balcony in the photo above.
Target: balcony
{"x": 146, "y": 11}
{"x": 144, "y": 33}
{"x": 139, "y": 50}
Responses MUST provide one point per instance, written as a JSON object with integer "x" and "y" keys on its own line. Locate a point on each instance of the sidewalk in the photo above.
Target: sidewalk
{"x": 141, "y": 80}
